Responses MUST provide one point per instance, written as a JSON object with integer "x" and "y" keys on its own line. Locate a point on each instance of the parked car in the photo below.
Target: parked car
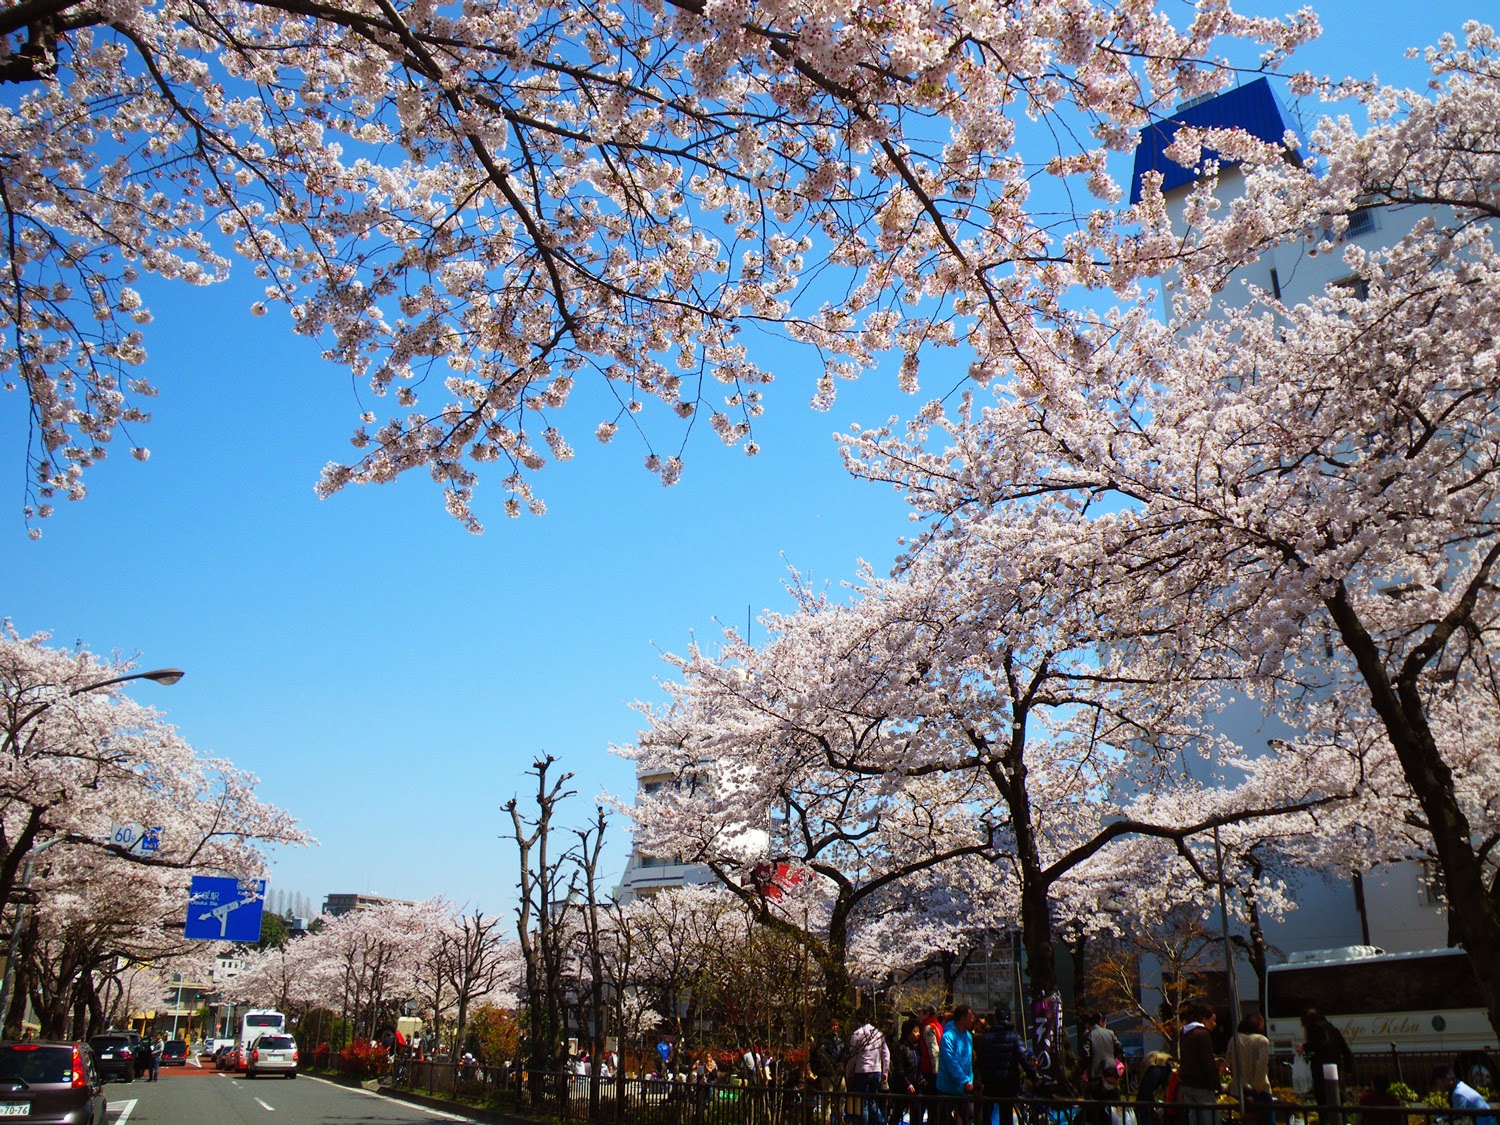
{"x": 272, "y": 1054}
{"x": 174, "y": 1052}
{"x": 115, "y": 1057}
{"x": 51, "y": 1082}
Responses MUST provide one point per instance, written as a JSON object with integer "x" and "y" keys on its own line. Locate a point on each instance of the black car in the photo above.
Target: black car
{"x": 140, "y": 1050}
{"x": 116, "y": 1058}
{"x": 174, "y": 1052}
{"x": 52, "y": 1082}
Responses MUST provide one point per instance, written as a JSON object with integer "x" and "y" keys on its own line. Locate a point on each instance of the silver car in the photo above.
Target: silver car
{"x": 272, "y": 1054}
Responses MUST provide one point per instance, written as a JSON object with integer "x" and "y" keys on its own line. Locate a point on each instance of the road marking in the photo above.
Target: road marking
{"x": 341, "y": 1086}
{"x": 267, "y": 1108}
{"x": 440, "y": 1113}
{"x": 126, "y": 1108}
{"x": 386, "y": 1097}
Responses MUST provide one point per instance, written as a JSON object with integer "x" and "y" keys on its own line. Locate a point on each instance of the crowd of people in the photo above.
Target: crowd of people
{"x": 961, "y": 1068}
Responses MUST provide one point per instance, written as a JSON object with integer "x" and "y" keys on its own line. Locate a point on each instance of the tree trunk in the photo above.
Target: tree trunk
{"x": 1473, "y": 907}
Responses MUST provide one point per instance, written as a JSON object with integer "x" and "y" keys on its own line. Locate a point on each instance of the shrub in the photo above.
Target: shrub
{"x": 363, "y": 1059}
{"x": 1407, "y": 1095}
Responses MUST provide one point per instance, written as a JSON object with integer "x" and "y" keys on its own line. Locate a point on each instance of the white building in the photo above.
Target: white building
{"x": 1398, "y": 907}
{"x": 647, "y": 874}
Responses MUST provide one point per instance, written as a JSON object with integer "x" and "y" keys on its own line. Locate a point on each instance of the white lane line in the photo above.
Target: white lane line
{"x": 126, "y": 1108}
{"x": 440, "y": 1113}
{"x": 341, "y": 1086}
{"x": 385, "y": 1097}
{"x": 267, "y": 1108}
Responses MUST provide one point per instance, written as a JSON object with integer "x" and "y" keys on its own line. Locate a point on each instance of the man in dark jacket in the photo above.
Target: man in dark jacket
{"x": 1198, "y": 1076}
{"x": 1000, "y": 1058}
{"x": 1324, "y": 1045}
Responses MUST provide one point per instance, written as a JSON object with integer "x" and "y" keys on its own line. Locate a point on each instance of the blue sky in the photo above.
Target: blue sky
{"x": 389, "y": 676}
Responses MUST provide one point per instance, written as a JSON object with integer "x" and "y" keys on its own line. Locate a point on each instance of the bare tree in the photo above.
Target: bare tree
{"x": 472, "y": 962}
{"x": 542, "y": 902}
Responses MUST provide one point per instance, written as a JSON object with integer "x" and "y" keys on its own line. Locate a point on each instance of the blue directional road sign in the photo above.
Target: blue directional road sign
{"x": 221, "y": 909}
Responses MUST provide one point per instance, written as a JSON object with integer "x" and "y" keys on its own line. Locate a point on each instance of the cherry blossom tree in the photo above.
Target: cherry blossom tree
{"x": 993, "y": 699}
{"x": 363, "y": 964}
{"x": 671, "y": 957}
{"x": 472, "y": 209}
{"x": 805, "y": 843}
{"x": 1307, "y": 490}
{"x": 81, "y": 757}
{"x": 77, "y": 763}
{"x": 291, "y": 978}
{"x": 96, "y": 915}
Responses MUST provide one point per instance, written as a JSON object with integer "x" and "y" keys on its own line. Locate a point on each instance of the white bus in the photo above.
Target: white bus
{"x": 1422, "y": 1001}
{"x": 255, "y": 1023}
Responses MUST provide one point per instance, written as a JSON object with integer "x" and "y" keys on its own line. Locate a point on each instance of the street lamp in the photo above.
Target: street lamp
{"x": 165, "y": 676}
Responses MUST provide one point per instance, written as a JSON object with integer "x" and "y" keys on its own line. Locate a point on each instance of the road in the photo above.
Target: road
{"x": 196, "y": 1094}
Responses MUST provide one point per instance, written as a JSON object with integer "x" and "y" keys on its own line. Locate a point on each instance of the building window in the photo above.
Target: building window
{"x": 1361, "y": 222}
{"x": 660, "y": 861}
{"x": 1356, "y": 287}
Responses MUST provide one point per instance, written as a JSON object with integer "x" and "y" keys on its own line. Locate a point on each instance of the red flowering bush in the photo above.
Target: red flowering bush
{"x": 363, "y": 1059}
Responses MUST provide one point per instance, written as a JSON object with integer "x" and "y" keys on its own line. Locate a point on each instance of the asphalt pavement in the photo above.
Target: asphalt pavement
{"x": 192, "y": 1094}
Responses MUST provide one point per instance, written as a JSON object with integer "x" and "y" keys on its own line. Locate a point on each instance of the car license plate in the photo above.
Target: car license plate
{"x": 15, "y": 1109}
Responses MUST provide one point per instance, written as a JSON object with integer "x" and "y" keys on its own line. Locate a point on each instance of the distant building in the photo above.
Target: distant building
{"x": 336, "y": 905}
{"x": 647, "y": 874}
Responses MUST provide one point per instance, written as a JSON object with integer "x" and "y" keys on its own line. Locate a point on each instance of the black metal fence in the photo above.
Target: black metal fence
{"x": 1374, "y": 1068}
{"x": 618, "y": 1100}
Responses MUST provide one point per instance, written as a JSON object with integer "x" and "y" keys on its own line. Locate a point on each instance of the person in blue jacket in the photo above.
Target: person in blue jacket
{"x": 955, "y": 1069}
{"x": 1461, "y": 1096}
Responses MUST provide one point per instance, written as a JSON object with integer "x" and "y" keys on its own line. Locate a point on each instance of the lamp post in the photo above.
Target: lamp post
{"x": 165, "y": 676}
{"x": 1234, "y": 988}
{"x": 178, "y": 1009}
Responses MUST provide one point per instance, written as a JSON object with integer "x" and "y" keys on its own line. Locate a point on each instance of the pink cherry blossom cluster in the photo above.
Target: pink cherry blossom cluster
{"x": 509, "y": 197}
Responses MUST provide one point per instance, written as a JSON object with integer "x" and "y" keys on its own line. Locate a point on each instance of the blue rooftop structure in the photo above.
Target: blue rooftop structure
{"x": 1253, "y": 107}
